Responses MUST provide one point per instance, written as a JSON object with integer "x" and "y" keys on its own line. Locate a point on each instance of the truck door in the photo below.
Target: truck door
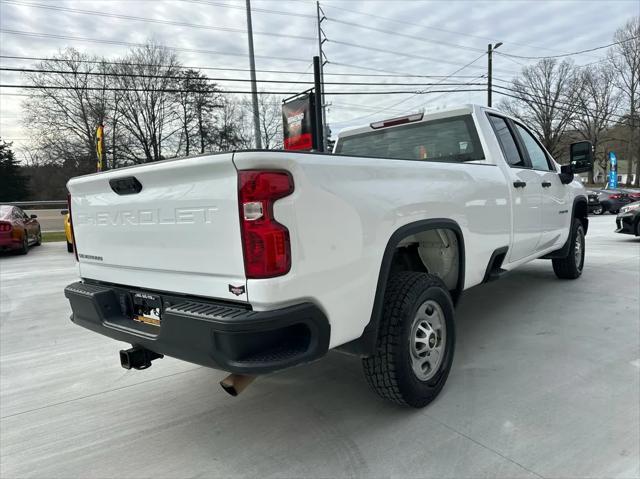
{"x": 526, "y": 187}
{"x": 556, "y": 207}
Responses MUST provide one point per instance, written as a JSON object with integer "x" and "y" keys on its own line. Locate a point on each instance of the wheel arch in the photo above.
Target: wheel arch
{"x": 367, "y": 343}
{"x": 580, "y": 211}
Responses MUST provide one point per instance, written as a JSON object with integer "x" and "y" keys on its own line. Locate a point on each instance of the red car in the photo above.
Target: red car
{"x": 18, "y": 230}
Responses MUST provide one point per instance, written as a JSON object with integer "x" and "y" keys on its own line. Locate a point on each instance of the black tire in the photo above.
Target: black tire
{"x": 598, "y": 210}
{"x": 38, "y": 238}
{"x": 571, "y": 266}
{"x": 25, "y": 244}
{"x": 69, "y": 247}
{"x": 637, "y": 228}
{"x": 390, "y": 370}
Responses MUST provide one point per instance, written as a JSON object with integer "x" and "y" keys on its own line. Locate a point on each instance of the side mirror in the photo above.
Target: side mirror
{"x": 581, "y": 157}
{"x": 64, "y": 212}
{"x": 33, "y": 217}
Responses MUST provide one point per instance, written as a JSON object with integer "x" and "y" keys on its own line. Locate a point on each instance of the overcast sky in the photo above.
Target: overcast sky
{"x": 450, "y": 35}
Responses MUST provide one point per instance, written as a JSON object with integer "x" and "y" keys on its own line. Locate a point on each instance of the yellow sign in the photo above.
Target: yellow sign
{"x": 100, "y": 145}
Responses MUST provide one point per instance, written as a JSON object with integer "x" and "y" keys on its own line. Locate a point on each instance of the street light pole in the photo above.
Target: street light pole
{"x": 254, "y": 88}
{"x": 490, "y": 49}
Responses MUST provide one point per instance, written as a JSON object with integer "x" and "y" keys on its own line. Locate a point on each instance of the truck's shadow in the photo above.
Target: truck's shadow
{"x": 337, "y": 382}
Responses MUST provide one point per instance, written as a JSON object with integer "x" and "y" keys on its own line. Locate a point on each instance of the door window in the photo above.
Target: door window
{"x": 536, "y": 154}
{"x": 508, "y": 144}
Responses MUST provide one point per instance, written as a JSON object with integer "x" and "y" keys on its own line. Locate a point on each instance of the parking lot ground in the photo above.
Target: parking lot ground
{"x": 545, "y": 383}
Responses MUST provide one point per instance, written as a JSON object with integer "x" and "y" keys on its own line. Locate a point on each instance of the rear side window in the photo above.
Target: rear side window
{"x": 507, "y": 142}
{"x": 447, "y": 139}
{"x": 536, "y": 153}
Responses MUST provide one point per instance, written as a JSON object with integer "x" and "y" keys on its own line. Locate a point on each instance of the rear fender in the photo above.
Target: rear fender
{"x": 367, "y": 343}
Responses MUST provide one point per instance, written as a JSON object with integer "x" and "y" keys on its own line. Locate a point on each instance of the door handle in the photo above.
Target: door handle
{"x": 546, "y": 184}
{"x": 519, "y": 184}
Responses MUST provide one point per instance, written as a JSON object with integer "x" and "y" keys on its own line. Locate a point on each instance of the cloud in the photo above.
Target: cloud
{"x": 525, "y": 27}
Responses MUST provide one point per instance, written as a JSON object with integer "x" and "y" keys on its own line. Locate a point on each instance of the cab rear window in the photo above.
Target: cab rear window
{"x": 447, "y": 139}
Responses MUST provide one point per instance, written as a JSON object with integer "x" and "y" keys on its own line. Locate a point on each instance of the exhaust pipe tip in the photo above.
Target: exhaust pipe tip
{"x": 234, "y": 384}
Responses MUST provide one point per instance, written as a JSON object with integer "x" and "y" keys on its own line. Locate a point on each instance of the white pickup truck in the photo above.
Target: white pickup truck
{"x": 256, "y": 261}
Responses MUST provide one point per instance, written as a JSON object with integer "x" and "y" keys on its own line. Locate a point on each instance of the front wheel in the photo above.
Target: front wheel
{"x": 571, "y": 266}
{"x": 39, "y": 238}
{"x": 598, "y": 210}
{"x": 416, "y": 340}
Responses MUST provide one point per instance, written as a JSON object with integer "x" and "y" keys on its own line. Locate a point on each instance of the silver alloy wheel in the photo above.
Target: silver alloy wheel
{"x": 579, "y": 249}
{"x": 428, "y": 339}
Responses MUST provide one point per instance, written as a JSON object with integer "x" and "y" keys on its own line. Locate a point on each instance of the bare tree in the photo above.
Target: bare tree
{"x": 229, "y": 130}
{"x": 146, "y": 78}
{"x": 197, "y": 101}
{"x": 63, "y": 119}
{"x": 545, "y": 98}
{"x": 270, "y": 110}
{"x": 597, "y": 103}
{"x": 624, "y": 59}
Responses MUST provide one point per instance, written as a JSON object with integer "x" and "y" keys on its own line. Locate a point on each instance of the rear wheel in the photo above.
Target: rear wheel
{"x": 39, "y": 237}
{"x": 571, "y": 266}
{"x": 24, "y": 249}
{"x": 416, "y": 340}
{"x": 598, "y": 210}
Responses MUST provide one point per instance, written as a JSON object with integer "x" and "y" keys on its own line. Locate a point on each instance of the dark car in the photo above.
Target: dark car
{"x": 613, "y": 200}
{"x": 594, "y": 202}
{"x": 628, "y": 220}
{"x": 18, "y": 230}
{"x": 633, "y": 194}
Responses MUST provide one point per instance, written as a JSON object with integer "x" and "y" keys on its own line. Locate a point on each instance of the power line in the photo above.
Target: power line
{"x": 179, "y": 90}
{"x": 566, "y": 110}
{"x": 428, "y": 27}
{"x": 397, "y": 53}
{"x": 405, "y": 35}
{"x": 456, "y": 71}
{"x": 413, "y": 95}
{"x": 182, "y": 77}
{"x": 131, "y": 44}
{"x": 151, "y": 20}
{"x": 569, "y": 54}
{"x": 564, "y": 104}
{"x": 292, "y": 72}
{"x": 259, "y": 10}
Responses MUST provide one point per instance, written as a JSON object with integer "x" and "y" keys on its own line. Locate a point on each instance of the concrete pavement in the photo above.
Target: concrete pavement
{"x": 545, "y": 383}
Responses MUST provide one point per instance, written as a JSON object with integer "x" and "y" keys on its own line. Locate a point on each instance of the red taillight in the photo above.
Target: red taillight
{"x": 265, "y": 242}
{"x": 73, "y": 235}
{"x": 5, "y": 227}
{"x": 615, "y": 197}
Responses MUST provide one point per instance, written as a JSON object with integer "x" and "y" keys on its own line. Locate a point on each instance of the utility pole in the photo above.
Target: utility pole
{"x": 490, "y": 49}
{"x": 318, "y": 106}
{"x": 254, "y": 88}
{"x": 321, "y": 17}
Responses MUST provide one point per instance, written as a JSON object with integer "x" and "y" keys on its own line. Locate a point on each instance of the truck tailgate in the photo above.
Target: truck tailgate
{"x": 179, "y": 233}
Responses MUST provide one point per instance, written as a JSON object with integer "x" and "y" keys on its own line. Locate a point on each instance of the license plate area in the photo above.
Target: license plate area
{"x": 147, "y": 308}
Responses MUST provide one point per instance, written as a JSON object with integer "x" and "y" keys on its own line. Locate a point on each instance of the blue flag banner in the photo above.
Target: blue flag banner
{"x": 613, "y": 171}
